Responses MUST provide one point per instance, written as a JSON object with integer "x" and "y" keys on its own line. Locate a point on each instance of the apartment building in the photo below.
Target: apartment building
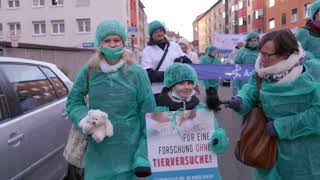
{"x": 290, "y": 14}
{"x": 209, "y": 23}
{"x": 62, "y": 23}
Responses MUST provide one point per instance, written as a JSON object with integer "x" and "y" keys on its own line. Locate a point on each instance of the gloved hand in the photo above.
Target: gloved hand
{"x": 219, "y": 141}
{"x": 212, "y": 99}
{"x": 141, "y": 171}
{"x": 234, "y": 91}
{"x": 234, "y": 103}
{"x": 271, "y": 129}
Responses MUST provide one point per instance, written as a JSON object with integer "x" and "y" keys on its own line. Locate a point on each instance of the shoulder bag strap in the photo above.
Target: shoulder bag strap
{"x": 87, "y": 80}
{"x": 258, "y": 80}
{"x": 163, "y": 56}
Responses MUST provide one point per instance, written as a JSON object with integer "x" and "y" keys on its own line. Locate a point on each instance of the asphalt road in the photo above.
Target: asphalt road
{"x": 230, "y": 168}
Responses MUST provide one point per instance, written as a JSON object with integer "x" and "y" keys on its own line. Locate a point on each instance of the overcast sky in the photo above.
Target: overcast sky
{"x": 177, "y": 15}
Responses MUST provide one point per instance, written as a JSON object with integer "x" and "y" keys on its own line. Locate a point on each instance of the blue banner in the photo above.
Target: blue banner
{"x": 201, "y": 174}
{"x": 223, "y": 71}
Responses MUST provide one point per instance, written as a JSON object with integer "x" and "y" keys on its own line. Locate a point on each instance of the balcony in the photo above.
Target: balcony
{"x": 257, "y": 4}
{"x": 242, "y": 12}
{"x": 257, "y": 23}
{"x": 242, "y": 29}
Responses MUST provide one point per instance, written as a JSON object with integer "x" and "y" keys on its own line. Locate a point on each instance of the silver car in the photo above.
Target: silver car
{"x": 33, "y": 125}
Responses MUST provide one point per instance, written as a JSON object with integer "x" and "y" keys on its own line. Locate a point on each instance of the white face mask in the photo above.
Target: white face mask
{"x": 177, "y": 96}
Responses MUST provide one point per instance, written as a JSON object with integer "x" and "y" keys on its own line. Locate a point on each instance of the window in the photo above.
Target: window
{"x": 249, "y": 19}
{"x": 223, "y": 15}
{"x": 4, "y": 112}
{"x": 58, "y": 85}
{"x": 283, "y": 18}
{"x": 242, "y": 21}
{"x": 258, "y": 14}
{"x": 15, "y": 28}
{"x": 38, "y": 3}
{"x": 248, "y": 2}
{"x": 32, "y": 87}
{"x": 271, "y": 3}
{"x": 39, "y": 27}
{"x": 83, "y": 25}
{"x": 58, "y": 27}
{"x": 306, "y": 12}
{"x": 240, "y": 4}
{"x": 272, "y": 23}
{"x": 13, "y": 3}
{"x": 294, "y": 15}
{"x": 57, "y": 2}
{"x": 82, "y": 2}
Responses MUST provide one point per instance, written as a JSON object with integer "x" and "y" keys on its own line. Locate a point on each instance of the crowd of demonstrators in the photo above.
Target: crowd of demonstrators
{"x": 288, "y": 67}
{"x": 179, "y": 94}
{"x": 159, "y": 54}
{"x": 290, "y": 97}
{"x": 211, "y": 86}
{"x": 121, "y": 89}
{"x": 186, "y": 49}
{"x": 309, "y": 35}
{"x": 246, "y": 55}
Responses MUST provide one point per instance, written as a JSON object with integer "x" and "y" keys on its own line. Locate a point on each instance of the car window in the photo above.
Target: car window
{"x": 60, "y": 88}
{"x": 31, "y": 86}
{"x": 3, "y": 106}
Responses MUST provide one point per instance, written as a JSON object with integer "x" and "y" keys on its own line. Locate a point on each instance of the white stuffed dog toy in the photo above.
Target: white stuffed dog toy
{"x": 97, "y": 124}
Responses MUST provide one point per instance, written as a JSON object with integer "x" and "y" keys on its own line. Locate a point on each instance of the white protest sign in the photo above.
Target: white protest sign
{"x": 178, "y": 145}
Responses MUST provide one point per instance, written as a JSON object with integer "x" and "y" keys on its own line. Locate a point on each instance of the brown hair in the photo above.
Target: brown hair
{"x": 94, "y": 62}
{"x": 285, "y": 43}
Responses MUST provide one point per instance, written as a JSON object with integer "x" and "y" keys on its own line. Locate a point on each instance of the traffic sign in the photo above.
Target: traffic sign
{"x": 133, "y": 32}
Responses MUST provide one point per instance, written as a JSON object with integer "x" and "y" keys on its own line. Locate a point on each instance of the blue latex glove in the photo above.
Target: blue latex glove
{"x": 234, "y": 103}
{"x": 219, "y": 141}
{"x": 271, "y": 129}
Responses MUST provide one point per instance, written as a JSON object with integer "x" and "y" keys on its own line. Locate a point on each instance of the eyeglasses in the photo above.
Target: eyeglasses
{"x": 267, "y": 55}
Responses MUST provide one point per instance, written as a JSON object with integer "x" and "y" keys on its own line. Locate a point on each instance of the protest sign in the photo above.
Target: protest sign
{"x": 178, "y": 145}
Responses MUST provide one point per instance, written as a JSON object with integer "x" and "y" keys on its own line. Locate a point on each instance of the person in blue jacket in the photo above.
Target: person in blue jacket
{"x": 246, "y": 55}
{"x": 309, "y": 35}
{"x": 290, "y": 98}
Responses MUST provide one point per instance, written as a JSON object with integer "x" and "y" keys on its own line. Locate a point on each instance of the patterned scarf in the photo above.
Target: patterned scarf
{"x": 285, "y": 71}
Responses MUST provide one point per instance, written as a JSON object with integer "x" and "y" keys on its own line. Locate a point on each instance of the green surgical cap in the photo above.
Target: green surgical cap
{"x": 209, "y": 49}
{"x": 110, "y": 27}
{"x": 314, "y": 8}
{"x": 252, "y": 35}
{"x": 179, "y": 72}
{"x": 154, "y": 25}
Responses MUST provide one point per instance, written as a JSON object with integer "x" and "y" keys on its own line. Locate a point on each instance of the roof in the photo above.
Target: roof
{"x": 206, "y": 12}
{"x": 41, "y": 63}
{"x": 27, "y": 61}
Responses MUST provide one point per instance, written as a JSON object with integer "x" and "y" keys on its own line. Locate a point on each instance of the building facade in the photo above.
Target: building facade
{"x": 290, "y": 14}
{"x": 233, "y": 16}
{"x": 61, "y": 23}
{"x": 210, "y": 23}
{"x": 142, "y": 29}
